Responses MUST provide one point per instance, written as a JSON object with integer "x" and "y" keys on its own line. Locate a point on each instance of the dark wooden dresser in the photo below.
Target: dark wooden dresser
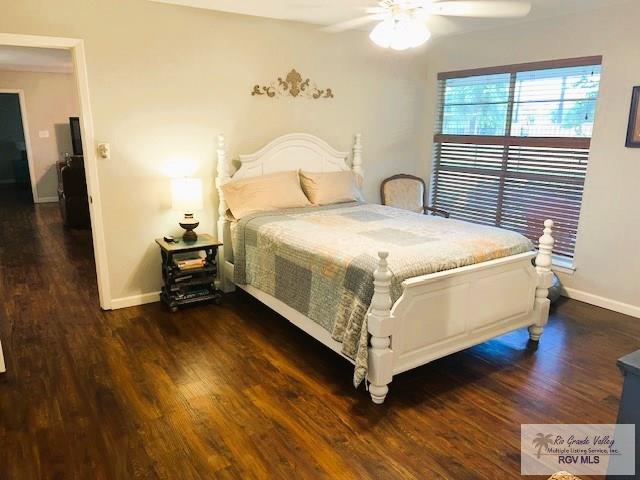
{"x": 72, "y": 192}
{"x": 629, "y": 412}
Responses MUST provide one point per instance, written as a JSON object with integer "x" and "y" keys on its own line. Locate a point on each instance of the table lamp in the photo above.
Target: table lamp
{"x": 186, "y": 196}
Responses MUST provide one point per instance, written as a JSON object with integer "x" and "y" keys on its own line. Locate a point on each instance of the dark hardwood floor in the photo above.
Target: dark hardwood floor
{"x": 237, "y": 392}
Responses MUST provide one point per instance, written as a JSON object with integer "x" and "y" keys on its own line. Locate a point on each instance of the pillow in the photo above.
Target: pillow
{"x": 331, "y": 187}
{"x": 265, "y": 193}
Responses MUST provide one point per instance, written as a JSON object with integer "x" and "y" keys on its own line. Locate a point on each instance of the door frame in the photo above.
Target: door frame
{"x": 76, "y": 47}
{"x": 27, "y": 138}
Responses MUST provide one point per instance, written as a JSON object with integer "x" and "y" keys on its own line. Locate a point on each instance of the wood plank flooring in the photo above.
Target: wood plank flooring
{"x": 237, "y": 392}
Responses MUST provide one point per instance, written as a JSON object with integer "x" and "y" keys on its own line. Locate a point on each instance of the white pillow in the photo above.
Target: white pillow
{"x": 331, "y": 187}
{"x": 264, "y": 193}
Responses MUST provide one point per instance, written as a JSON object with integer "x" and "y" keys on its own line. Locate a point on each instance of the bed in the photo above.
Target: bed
{"x": 408, "y": 289}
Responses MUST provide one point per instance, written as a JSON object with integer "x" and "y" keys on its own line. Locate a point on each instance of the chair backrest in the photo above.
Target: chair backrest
{"x": 404, "y": 191}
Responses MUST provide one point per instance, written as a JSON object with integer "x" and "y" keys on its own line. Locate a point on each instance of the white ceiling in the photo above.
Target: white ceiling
{"x": 327, "y": 12}
{"x": 35, "y": 59}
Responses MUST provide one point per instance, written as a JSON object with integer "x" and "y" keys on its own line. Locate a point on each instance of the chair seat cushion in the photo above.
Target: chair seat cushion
{"x": 404, "y": 193}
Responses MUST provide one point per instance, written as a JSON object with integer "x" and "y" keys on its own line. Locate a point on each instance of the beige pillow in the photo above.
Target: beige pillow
{"x": 331, "y": 187}
{"x": 265, "y": 193}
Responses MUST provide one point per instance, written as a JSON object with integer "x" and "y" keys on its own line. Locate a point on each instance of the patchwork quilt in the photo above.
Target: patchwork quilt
{"x": 320, "y": 260}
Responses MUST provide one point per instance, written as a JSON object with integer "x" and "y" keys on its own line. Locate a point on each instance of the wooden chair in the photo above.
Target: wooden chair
{"x": 409, "y": 193}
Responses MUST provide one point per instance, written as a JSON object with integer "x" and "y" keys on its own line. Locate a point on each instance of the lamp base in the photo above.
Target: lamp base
{"x": 189, "y": 224}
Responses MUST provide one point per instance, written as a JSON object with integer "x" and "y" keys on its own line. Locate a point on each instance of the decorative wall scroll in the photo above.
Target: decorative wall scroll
{"x": 294, "y": 86}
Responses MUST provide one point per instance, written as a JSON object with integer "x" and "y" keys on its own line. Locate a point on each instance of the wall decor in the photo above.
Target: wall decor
{"x": 293, "y": 85}
{"x": 633, "y": 131}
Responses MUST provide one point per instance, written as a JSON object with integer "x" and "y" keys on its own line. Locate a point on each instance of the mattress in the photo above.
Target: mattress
{"x": 320, "y": 260}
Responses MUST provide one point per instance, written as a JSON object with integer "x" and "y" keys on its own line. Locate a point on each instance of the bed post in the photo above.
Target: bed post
{"x": 545, "y": 279}
{"x": 222, "y": 177}
{"x": 380, "y": 326}
{"x": 356, "y": 164}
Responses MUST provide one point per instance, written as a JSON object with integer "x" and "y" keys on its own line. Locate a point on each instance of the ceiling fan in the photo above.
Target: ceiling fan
{"x": 402, "y": 22}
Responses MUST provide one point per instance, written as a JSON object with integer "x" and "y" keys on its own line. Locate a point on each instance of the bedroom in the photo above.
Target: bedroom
{"x": 164, "y": 81}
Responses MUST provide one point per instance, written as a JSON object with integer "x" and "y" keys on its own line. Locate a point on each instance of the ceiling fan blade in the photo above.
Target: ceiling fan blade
{"x": 440, "y": 25}
{"x": 351, "y": 24}
{"x": 479, "y": 8}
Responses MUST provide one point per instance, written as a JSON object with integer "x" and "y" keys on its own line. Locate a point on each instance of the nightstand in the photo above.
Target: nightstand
{"x": 189, "y": 271}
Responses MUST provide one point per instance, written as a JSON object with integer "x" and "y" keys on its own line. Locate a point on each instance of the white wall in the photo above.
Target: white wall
{"x": 607, "y": 259}
{"x": 50, "y": 99}
{"x": 165, "y": 80}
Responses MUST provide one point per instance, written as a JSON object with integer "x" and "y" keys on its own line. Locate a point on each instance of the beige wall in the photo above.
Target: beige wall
{"x": 50, "y": 99}
{"x": 165, "y": 80}
{"x": 607, "y": 259}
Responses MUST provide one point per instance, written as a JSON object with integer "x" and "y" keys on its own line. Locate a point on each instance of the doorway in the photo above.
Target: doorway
{"x": 32, "y": 236}
{"x": 74, "y": 50}
{"x": 14, "y": 159}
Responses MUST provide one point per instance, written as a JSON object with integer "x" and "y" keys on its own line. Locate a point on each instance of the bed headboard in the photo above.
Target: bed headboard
{"x": 295, "y": 151}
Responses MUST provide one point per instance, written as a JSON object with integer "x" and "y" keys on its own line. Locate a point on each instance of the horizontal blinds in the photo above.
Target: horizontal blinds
{"x": 521, "y": 141}
{"x": 511, "y": 145}
{"x": 558, "y": 102}
{"x": 513, "y": 187}
{"x": 523, "y": 67}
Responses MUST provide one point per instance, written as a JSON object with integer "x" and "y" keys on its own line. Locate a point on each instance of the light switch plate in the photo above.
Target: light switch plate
{"x": 104, "y": 150}
{"x": 43, "y": 133}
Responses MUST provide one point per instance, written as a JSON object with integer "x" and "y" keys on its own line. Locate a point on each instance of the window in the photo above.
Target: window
{"x": 512, "y": 145}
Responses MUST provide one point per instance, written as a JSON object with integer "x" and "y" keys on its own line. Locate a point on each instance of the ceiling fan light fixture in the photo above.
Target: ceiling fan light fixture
{"x": 383, "y": 33}
{"x": 416, "y": 33}
{"x": 400, "y": 33}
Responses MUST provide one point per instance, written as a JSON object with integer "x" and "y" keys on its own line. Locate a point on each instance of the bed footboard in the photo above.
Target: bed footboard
{"x": 446, "y": 312}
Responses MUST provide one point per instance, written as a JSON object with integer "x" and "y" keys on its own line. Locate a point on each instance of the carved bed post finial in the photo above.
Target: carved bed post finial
{"x": 380, "y": 327}
{"x": 357, "y": 155}
{"x": 545, "y": 279}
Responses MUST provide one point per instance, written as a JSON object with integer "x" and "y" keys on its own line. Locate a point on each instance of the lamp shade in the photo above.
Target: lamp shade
{"x": 186, "y": 194}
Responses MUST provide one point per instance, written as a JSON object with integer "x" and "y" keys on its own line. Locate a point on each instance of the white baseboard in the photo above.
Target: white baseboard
{"x": 47, "y": 199}
{"x": 603, "y": 302}
{"x": 620, "y": 307}
{"x": 134, "y": 300}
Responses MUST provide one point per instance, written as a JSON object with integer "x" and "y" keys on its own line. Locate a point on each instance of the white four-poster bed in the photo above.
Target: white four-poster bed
{"x": 437, "y": 314}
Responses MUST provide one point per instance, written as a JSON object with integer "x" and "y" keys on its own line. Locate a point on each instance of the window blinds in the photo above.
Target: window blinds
{"x": 512, "y": 145}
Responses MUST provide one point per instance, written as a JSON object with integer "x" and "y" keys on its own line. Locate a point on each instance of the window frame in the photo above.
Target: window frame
{"x": 563, "y": 263}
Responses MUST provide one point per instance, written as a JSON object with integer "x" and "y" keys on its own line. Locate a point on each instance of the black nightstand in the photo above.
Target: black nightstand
{"x": 192, "y": 285}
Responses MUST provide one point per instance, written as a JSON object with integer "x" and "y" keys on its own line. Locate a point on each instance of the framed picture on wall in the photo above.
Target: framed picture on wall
{"x": 633, "y": 132}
